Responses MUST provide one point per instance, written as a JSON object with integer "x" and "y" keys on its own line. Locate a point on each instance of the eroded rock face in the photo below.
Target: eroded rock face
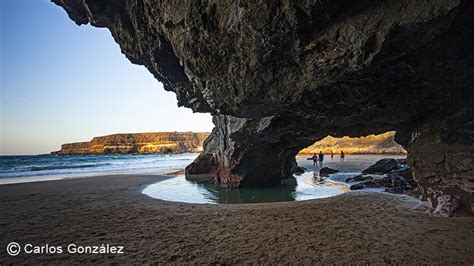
{"x": 441, "y": 154}
{"x": 393, "y": 175}
{"x": 137, "y": 143}
{"x": 279, "y": 75}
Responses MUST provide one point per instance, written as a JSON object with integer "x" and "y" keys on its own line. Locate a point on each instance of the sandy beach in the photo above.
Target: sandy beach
{"x": 356, "y": 227}
{"x": 236, "y": 132}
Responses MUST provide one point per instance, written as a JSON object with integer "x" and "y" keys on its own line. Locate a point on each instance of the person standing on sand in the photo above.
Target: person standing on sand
{"x": 321, "y": 158}
{"x": 342, "y": 156}
{"x": 332, "y": 155}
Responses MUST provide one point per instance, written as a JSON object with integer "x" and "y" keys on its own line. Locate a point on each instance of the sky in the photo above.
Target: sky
{"x": 65, "y": 83}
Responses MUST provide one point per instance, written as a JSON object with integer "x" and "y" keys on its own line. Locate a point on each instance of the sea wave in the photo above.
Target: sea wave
{"x": 41, "y": 166}
{"x": 57, "y": 167}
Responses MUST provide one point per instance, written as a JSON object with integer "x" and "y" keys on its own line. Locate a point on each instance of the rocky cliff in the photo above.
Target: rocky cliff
{"x": 278, "y": 75}
{"x": 372, "y": 144}
{"x": 137, "y": 143}
{"x": 181, "y": 142}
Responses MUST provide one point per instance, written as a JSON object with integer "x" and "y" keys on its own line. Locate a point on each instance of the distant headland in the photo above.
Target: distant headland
{"x": 184, "y": 142}
{"x": 371, "y": 144}
{"x": 137, "y": 143}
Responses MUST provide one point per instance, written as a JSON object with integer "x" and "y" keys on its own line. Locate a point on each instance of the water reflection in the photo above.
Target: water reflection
{"x": 224, "y": 195}
{"x": 304, "y": 187}
{"x": 308, "y": 185}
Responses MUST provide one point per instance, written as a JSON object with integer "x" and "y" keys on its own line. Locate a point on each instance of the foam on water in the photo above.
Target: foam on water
{"x": 19, "y": 169}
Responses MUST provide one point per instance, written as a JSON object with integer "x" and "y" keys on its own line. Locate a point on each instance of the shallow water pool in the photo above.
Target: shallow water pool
{"x": 306, "y": 186}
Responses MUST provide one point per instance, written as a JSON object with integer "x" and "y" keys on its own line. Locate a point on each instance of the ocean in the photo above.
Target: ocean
{"x": 19, "y": 169}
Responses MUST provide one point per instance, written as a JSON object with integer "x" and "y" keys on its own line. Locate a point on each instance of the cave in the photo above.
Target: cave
{"x": 279, "y": 75}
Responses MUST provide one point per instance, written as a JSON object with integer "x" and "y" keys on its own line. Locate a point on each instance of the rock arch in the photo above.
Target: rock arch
{"x": 278, "y": 75}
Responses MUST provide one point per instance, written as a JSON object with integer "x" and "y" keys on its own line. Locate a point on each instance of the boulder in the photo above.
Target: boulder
{"x": 366, "y": 184}
{"x": 300, "y": 170}
{"x": 326, "y": 171}
{"x": 384, "y": 181}
{"x": 399, "y": 185}
{"x": 405, "y": 173}
{"x": 359, "y": 178}
{"x": 400, "y": 180}
{"x": 402, "y": 161}
{"x": 382, "y": 166}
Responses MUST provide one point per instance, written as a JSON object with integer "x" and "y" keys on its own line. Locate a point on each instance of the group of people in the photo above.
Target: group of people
{"x": 319, "y": 158}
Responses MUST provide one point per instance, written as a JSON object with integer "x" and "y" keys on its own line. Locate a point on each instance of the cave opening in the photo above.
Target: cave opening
{"x": 355, "y": 75}
{"x": 306, "y": 182}
{"x": 366, "y": 162}
{"x": 349, "y": 154}
{"x": 383, "y": 143}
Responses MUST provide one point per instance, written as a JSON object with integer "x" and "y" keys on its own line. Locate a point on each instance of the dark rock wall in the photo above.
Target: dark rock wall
{"x": 441, "y": 154}
{"x": 279, "y": 75}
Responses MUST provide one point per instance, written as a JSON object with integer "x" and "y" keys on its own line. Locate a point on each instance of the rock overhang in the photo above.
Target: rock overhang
{"x": 279, "y": 75}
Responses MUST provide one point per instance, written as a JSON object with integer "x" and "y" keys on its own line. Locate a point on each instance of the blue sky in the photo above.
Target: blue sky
{"x": 64, "y": 83}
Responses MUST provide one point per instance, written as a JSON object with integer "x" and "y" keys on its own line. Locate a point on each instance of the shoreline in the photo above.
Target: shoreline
{"x": 59, "y": 177}
{"x": 157, "y": 170}
{"x": 120, "y": 154}
{"x": 356, "y": 153}
{"x": 356, "y": 226}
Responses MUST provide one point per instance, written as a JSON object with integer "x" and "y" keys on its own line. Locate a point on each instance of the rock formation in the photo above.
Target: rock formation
{"x": 395, "y": 175}
{"x": 372, "y": 144}
{"x": 381, "y": 166}
{"x": 137, "y": 143}
{"x": 279, "y": 75}
{"x": 326, "y": 171}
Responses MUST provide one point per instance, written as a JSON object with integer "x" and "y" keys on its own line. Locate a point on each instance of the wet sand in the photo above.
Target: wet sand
{"x": 355, "y": 227}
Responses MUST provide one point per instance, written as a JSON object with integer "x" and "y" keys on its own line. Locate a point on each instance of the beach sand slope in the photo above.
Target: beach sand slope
{"x": 351, "y": 228}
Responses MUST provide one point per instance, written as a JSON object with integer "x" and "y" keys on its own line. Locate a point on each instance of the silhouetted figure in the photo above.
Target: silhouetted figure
{"x": 332, "y": 155}
{"x": 315, "y": 159}
{"x": 342, "y": 156}
{"x": 321, "y": 158}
